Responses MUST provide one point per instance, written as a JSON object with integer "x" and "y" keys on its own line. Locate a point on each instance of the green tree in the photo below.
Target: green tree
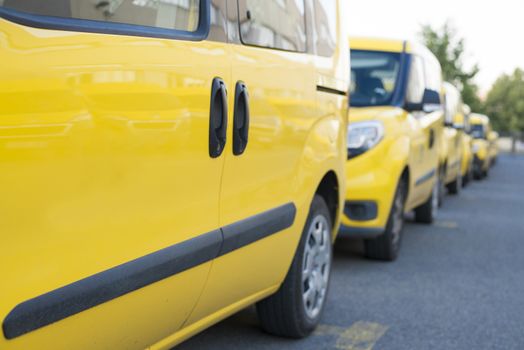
{"x": 450, "y": 49}
{"x": 505, "y": 103}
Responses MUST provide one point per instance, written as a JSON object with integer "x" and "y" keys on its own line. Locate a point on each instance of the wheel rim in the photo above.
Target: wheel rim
{"x": 316, "y": 266}
{"x": 398, "y": 217}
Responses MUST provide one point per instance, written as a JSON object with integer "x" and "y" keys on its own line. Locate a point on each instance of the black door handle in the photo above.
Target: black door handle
{"x": 431, "y": 140}
{"x": 217, "y": 118}
{"x": 240, "y": 119}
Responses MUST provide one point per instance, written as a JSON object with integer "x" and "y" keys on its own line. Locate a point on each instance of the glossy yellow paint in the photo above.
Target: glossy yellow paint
{"x": 378, "y": 44}
{"x": 104, "y": 148}
{"x": 375, "y": 175}
{"x": 481, "y": 145}
{"x": 467, "y": 155}
{"x": 493, "y": 139}
{"x": 453, "y": 136}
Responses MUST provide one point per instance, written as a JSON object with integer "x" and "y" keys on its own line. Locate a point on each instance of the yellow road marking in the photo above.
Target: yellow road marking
{"x": 446, "y": 224}
{"x": 360, "y": 336}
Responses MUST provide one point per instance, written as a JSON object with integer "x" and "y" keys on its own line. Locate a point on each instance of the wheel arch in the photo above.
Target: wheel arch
{"x": 329, "y": 190}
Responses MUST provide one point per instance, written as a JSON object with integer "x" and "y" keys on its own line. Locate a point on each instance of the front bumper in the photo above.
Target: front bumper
{"x": 360, "y": 232}
{"x": 479, "y": 165}
{"x": 371, "y": 182}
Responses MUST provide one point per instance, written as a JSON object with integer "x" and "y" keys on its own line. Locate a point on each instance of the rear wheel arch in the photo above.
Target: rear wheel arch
{"x": 329, "y": 190}
{"x": 406, "y": 177}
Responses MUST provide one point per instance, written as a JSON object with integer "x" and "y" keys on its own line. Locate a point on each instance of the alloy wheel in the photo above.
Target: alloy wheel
{"x": 316, "y": 266}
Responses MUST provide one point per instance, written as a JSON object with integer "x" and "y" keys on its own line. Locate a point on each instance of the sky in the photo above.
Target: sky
{"x": 493, "y": 30}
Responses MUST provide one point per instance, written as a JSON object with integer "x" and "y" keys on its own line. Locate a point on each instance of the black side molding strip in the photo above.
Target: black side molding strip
{"x": 331, "y": 90}
{"x": 110, "y": 284}
{"x": 257, "y": 227}
{"x": 97, "y": 289}
{"x": 426, "y": 177}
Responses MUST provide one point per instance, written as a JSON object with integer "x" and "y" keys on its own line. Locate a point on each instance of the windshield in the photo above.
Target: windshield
{"x": 374, "y": 77}
{"x": 477, "y": 131}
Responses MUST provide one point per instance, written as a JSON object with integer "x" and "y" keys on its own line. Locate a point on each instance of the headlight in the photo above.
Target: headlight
{"x": 363, "y": 136}
{"x": 476, "y": 148}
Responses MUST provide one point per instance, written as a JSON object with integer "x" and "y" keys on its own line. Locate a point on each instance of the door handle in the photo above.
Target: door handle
{"x": 240, "y": 119}
{"x": 217, "y": 118}
{"x": 431, "y": 138}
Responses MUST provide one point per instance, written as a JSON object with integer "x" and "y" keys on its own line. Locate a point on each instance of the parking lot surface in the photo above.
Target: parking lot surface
{"x": 458, "y": 284}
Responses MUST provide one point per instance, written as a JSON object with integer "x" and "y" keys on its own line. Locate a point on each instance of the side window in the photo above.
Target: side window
{"x": 168, "y": 14}
{"x": 276, "y": 24}
{"x": 219, "y": 21}
{"x": 326, "y": 19}
{"x": 416, "y": 83}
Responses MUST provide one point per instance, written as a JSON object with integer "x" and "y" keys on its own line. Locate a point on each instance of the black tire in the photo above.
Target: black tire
{"x": 465, "y": 181}
{"x": 285, "y": 313}
{"x": 427, "y": 212}
{"x": 456, "y": 185}
{"x": 466, "y": 178}
{"x": 387, "y": 246}
{"x": 478, "y": 175}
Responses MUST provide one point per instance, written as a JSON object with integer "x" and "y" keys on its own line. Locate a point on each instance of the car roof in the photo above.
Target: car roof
{"x": 476, "y": 118}
{"x": 377, "y": 44}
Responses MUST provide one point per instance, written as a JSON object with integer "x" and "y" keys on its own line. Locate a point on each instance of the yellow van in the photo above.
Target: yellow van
{"x": 396, "y": 122}
{"x": 466, "y": 167}
{"x": 480, "y": 129}
{"x": 452, "y": 164}
{"x": 493, "y": 138}
{"x": 166, "y": 164}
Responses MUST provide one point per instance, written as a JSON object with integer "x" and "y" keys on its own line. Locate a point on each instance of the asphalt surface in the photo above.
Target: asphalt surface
{"x": 458, "y": 284}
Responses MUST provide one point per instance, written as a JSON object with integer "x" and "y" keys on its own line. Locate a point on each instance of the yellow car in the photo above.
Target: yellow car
{"x": 480, "y": 129}
{"x": 493, "y": 138}
{"x": 396, "y": 121}
{"x": 166, "y": 164}
{"x": 466, "y": 167}
{"x": 452, "y": 164}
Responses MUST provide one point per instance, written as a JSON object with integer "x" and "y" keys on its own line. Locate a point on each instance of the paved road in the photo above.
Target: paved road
{"x": 458, "y": 284}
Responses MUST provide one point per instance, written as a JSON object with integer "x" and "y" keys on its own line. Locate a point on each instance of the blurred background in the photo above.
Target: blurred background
{"x": 478, "y": 43}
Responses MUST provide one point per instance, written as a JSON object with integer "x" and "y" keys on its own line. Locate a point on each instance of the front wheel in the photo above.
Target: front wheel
{"x": 427, "y": 212}
{"x": 456, "y": 185}
{"x": 295, "y": 309}
{"x": 387, "y": 246}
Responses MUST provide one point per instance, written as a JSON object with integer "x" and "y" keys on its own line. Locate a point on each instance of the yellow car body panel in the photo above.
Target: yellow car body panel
{"x": 493, "y": 139}
{"x": 452, "y": 158}
{"x": 375, "y": 176}
{"x": 467, "y": 154}
{"x": 452, "y": 155}
{"x": 104, "y": 141}
{"x": 481, "y": 144}
{"x": 377, "y": 44}
{"x": 406, "y": 147}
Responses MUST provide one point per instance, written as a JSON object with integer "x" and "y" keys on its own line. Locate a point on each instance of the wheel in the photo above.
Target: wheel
{"x": 485, "y": 173}
{"x": 456, "y": 185}
{"x": 427, "y": 212}
{"x": 441, "y": 186}
{"x": 386, "y": 246}
{"x": 467, "y": 178}
{"x": 465, "y": 181}
{"x": 295, "y": 309}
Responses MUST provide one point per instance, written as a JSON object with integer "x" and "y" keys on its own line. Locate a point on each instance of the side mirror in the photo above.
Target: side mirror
{"x": 430, "y": 103}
